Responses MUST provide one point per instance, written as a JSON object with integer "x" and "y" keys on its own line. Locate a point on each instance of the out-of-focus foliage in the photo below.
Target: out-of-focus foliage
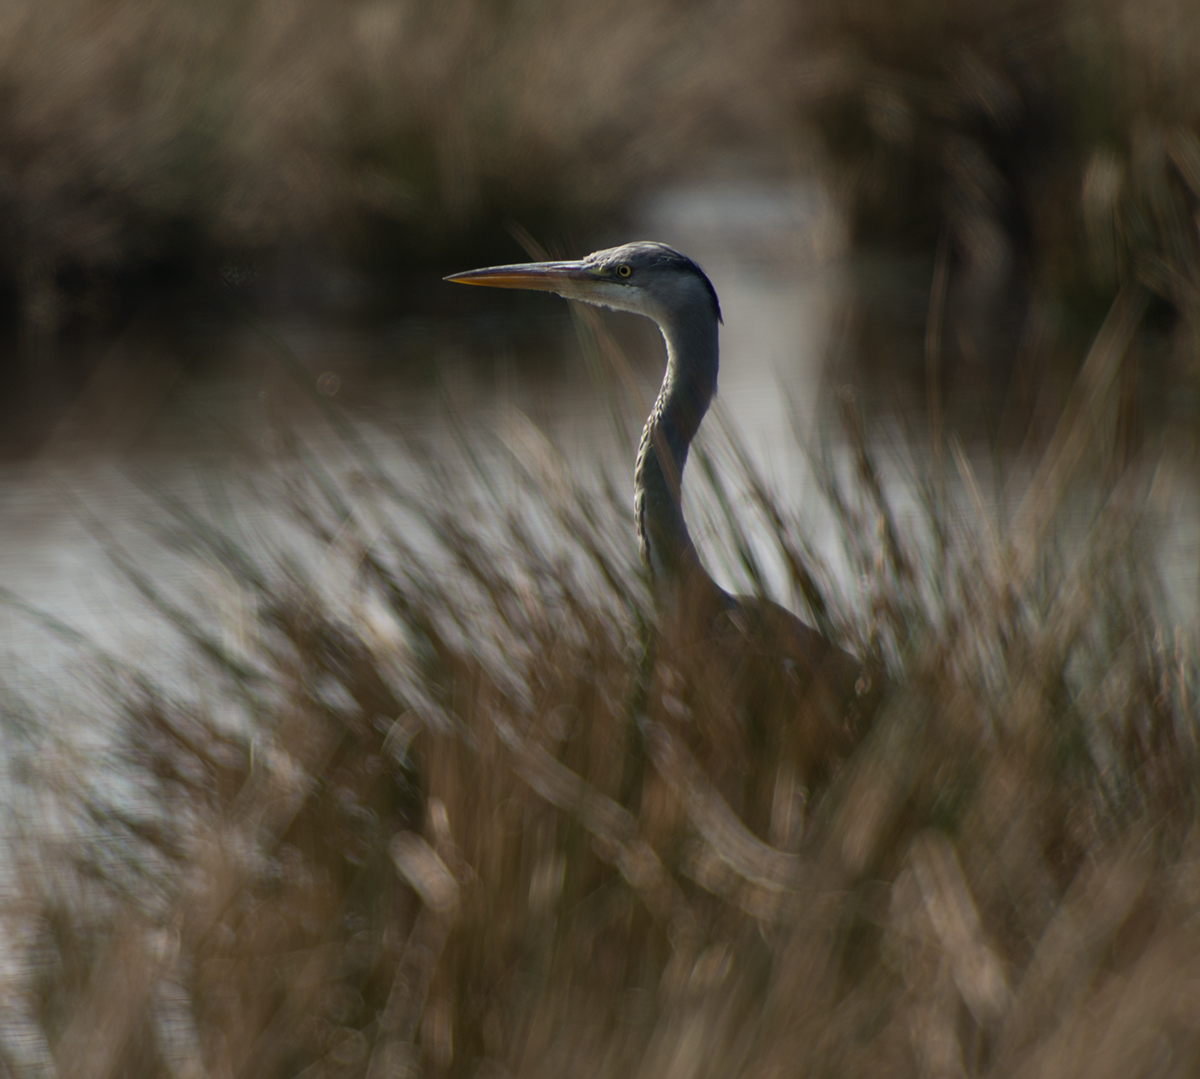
{"x": 1025, "y": 158}
{"x": 136, "y": 131}
{"x": 140, "y": 131}
{"x": 420, "y": 814}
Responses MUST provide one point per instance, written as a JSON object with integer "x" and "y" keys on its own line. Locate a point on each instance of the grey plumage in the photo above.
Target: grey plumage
{"x": 654, "y": 280}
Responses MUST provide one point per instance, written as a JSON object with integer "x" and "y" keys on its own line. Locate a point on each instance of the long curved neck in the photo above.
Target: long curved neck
{"x": 688, "y": 388}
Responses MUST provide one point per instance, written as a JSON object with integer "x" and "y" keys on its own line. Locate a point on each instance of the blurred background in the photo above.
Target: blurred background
{"x": 332, "y": 161}
{"x": 263, "y": 475}
{"x": 844, "y": 174}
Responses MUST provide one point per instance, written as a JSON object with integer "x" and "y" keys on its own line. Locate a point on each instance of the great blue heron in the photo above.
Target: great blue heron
{"x": 773, "y": 690}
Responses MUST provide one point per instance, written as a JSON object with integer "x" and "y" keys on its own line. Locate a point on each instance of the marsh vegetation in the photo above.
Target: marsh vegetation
{"x": 397, "y": 801}
{"x": 411, "y": 810}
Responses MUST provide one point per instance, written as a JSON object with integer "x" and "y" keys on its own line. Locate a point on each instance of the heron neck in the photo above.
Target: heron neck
{"x": 687, "y": 390}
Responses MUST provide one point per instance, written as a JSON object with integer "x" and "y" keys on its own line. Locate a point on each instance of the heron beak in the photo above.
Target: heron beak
{"x": 543, "y": 276}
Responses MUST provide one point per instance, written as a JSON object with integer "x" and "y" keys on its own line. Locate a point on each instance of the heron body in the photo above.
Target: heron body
{"x": 758, "y": 690}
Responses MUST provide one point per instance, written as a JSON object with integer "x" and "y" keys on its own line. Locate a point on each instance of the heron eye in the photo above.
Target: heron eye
{"x": 624, "y": 271}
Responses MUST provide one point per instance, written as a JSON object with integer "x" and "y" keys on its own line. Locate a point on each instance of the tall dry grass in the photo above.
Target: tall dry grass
{"x": 411, "y": 819}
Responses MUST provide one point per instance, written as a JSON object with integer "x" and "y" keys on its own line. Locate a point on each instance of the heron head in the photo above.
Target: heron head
{"x": 646, "y": 278}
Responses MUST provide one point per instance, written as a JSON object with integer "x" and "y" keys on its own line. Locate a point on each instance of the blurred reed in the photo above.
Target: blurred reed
{"x": 412, "y": 820}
